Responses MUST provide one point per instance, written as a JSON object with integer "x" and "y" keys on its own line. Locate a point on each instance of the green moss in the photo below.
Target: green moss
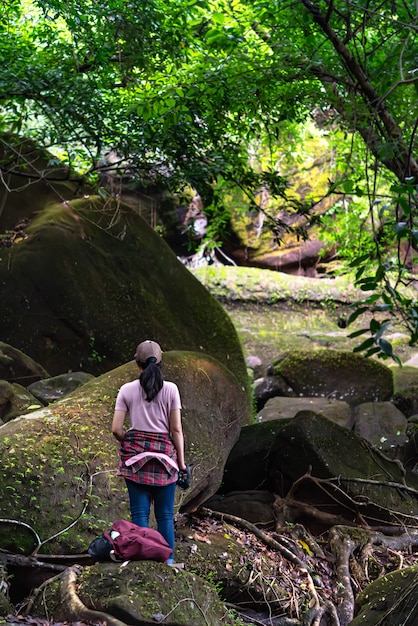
{"x": 390, "y": 599}
{"x": 267, "y": 286}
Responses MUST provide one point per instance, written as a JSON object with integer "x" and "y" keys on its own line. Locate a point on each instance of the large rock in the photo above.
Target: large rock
{"x": 405, "y": 395}
{"x": 58, "y": 464}
{"x": 391, "y": 600}
{"x": 286, "y": 408}
{"x": 377, "y": 487}
{"x": 14, "y": 400}
{"x": 93, "y": 281}
{"x": 245, "y": 468}
{"x": 382, "y": 424}
{"x": 268, "y": 387}
{"x": 334, "y": 374}
{"x": 139, "y": 593}
{"x": 17, "y": 367}
{"x": 52, "y": 389}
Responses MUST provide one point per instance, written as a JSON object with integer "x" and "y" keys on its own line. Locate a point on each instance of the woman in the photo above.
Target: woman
{"x": 152, "y": 449}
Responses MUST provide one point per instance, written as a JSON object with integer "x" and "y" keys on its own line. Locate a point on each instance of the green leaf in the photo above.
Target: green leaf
{"x": 366, "y": 344}
{"x": 380, "y": 272}
{"x": 372, "y": 299}
{"x": 356, "y": 314}
{"x": 386, "y": 347}
{"x": 375, "y": 326}
{"x": 357, "y": 333}
{"x": 359, "y": 260}
{"x": 372, "y": 351}
{"x": 369, "y": 285}
{"x": 401, "y": 229}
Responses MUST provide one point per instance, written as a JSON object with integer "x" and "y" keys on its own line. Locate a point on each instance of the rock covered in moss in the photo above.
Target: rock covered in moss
{"x": 58, "y": 465}
{"x": 389, "y": 600}
{"x": 311, "y": 445}
{"x": 138, "y": 592}
{"x": 95, "y": 280}
{"x": 14, "y": 400}
{"x": 52, "y": 389}
{"x": 18, "y": 367}
{"x": 334, "y": 374}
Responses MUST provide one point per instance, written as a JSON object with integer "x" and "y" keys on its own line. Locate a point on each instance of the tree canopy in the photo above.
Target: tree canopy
{"x": 187, "y": 90}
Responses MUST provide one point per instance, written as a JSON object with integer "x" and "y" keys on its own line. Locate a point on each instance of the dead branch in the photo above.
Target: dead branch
{"x": 18, "y": 560}
{"x": 354, "y": 505}
{"x": 289, "y": 510}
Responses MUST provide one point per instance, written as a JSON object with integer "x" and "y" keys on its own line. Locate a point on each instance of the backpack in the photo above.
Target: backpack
{"x": 126, "y": 541}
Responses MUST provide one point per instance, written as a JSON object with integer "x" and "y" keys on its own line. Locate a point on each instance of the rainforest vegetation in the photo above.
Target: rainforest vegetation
{"x": 216, "y": 95}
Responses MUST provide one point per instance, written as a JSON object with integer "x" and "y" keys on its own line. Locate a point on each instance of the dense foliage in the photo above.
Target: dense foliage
{"x": 188, "y": 90}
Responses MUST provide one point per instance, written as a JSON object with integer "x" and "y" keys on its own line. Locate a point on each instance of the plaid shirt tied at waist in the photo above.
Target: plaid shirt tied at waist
{"x": 148, "y": 458}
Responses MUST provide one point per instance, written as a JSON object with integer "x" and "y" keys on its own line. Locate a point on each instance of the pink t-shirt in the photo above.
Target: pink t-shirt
{"x": 151, "y": 416}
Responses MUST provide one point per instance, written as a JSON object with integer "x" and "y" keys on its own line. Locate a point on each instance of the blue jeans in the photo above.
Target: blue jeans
{"x": 140, "y": 504}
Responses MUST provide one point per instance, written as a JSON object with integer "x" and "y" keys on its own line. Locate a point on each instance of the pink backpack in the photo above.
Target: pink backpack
{"x": 137, "y": 543}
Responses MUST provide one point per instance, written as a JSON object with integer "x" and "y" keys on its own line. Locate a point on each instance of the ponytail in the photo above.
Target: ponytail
{"x": 151, "y": 378}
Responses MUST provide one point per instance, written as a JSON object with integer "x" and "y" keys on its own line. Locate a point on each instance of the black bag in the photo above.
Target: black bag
{"x": 100, "y": 549}
{"x": 183, "y": 481}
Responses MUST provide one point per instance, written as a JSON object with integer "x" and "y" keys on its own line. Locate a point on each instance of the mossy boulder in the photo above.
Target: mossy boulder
{"x": 389, "y": 601}
{"x": 95, "y": 279}
{"x": 404, "y": 377}
{"x": 142, "y": 592}
{"x": 52, "y": 389}
{"x": 58, "y": 465}
{"x": 14, "y": 400}
{"x": 245, "y": 468}
{"x": 334, "y": 374}
{"x": 311, "y": 445}
{"x": 251, "y": 284}
{"x": 18, "y": 367}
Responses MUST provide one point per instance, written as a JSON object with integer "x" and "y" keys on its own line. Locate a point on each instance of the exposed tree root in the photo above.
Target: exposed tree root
{"x": 344, "y": 563}
{"x": 71, "y": 605}
{"x": 288, "y": 509}
{"x": 349, "y": 545}
{"x": 75, "y": 609}
{"x": 18, "y": 560}
{"x": 317, "y": 607}
{"x": 343, "y": 542}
